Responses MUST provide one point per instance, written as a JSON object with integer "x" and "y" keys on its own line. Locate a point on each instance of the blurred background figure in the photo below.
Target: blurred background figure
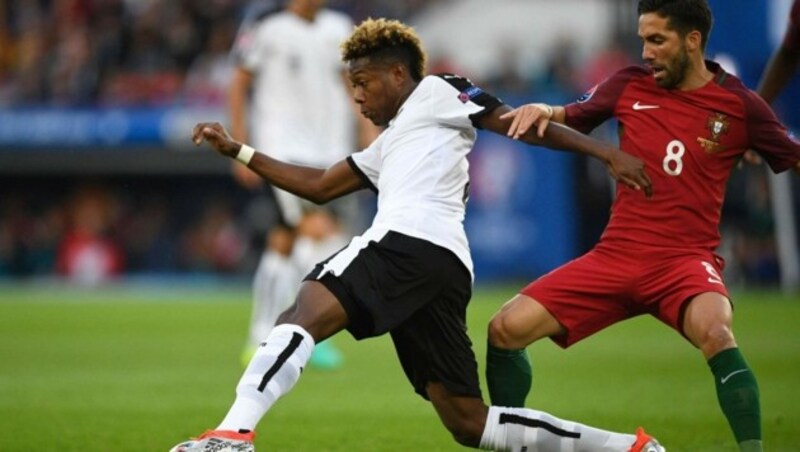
{"x": 783, "y": 64}
{"x": 780, "y": 69}
{"x": 88, "y": 253}
{"x": 301, "y": 112}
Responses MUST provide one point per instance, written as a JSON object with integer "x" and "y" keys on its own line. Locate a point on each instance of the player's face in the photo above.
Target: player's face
{"x": 663, "y": 50}
{"x": 312, "y": 6}
{"x": 375, "y": 89}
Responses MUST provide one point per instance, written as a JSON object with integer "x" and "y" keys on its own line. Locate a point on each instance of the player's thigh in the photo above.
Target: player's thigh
{"x": 521, "y": 321}
{"x": 433, "y": 345}
{"x": 383, "y": 279}
{"x": 317, "y": 310}
{"x": 585, "y": 295}
{"x": 687, "y": 290}
{"x": 708, "y": 321}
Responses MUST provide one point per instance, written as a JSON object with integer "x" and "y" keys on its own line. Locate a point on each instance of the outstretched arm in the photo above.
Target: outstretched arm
{"x": 238, "y": 91}
{"x": 518, "y": 124}
{"x": 780, "y": 69}
{"x": 314, "y": 184}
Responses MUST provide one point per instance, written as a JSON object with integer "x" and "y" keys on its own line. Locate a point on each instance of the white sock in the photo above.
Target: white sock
{"x": 275, "y": 285}
{"x": 272, "y": 372}
{"x": 517, "y": 429}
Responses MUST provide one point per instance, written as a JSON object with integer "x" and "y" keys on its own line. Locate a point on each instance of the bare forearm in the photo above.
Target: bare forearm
{"x": 305, "y": 182}
{"x": 238, "y": 100}
{"x": 780, "y": 69}
{"x": 550, "y": 133}
{"x": 237, "y": 105}
{"x": 313, "y": 184}
{"x": 559, "y": 137}
{"x": 556, "y": 135}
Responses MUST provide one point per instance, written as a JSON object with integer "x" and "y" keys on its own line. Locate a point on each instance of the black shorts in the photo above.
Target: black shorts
{"x": 418, "y": 292}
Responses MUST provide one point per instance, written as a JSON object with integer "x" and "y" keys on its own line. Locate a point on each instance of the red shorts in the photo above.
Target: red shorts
{"x": 609, "y": 284}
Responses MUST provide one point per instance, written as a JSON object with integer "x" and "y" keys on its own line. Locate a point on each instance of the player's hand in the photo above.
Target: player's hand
{"x": 750, "y": 157}
{"x": 629, "y": 170}
{"x": 522, "y": 118}
{"x": 215, "y": 135}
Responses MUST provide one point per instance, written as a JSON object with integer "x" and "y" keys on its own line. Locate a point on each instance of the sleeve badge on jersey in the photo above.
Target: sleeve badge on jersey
{"x": 468, "y": 94}
{"x": 587, "y": 95}
{"x": 718, "y": 125}
{"x": 792, "y": 136}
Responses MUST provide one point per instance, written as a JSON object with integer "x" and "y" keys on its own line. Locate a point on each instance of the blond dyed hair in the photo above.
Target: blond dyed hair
{"x": 385, "y": 39}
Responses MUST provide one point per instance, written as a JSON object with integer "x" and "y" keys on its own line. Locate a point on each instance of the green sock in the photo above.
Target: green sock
{"x": 737, "y": 392}
{"x": 508, "y": 376}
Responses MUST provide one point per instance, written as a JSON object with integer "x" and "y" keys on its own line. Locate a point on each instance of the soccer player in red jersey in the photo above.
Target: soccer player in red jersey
{"x": 690, "y": 122}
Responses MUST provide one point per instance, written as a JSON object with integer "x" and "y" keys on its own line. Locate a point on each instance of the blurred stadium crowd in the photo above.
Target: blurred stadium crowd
{"x": 145, "y": 53}
{"x": 130, "y": 52}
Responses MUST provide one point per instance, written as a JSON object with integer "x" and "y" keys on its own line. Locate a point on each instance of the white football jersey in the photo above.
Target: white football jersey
{"x": 418, "y": 165}
{"x": 301, "y": 110}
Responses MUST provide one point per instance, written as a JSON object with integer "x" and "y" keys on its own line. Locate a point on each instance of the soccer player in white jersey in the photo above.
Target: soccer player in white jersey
{"x": 301, "y": 113}
{"x": 410, "y": 273}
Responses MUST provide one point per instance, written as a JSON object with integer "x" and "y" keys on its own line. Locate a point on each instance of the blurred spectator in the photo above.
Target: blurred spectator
{"x": 72, "y": 75}
{"x": 147, "y": 234}
{"x": 28, "y": 239}
{"x": 509, "y": 79}
{"x": 561, "y": 70}
{"x": 88, "y": 253}
{"x": 25, "y": 82}
{"x": 129, "y": 52}
{"x": 214, "y": 243}
{"x": 209, "y": 76}
{"x": 604, "y": 63}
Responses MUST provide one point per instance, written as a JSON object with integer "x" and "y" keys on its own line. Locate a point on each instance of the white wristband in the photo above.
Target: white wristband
{"x": 245, "y": 154}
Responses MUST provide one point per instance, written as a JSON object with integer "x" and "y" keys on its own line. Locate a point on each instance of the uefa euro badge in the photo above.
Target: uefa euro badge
{"x": 469, "y": 94}
{"x": 718, "y": 125}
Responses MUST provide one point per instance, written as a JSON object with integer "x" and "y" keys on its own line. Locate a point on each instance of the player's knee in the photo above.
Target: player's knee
{"x": 716, "y": 338}
{"x": 500, "y": 333}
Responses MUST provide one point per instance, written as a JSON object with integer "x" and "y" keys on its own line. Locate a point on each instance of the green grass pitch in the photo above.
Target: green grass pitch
{"x": 138, "y": 369}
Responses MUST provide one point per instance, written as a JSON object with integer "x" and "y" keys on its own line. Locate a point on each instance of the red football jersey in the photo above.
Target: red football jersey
{"x": 689, "y": 141}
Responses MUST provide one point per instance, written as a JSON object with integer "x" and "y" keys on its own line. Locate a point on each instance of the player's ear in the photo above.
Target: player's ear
{"x": 399, "y": 73}
{"x": 694, "y": 40}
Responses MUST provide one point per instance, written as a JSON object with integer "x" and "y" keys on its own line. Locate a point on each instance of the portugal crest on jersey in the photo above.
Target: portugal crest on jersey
{"x": 717, "y": 124}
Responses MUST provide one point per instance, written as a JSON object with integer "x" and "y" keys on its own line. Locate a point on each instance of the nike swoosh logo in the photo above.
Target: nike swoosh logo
{"x": 727, "y": 377}
{"x": 638, "y": 106}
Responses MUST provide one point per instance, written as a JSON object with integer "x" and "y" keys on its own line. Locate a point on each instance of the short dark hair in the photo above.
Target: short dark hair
{"x": 385, "y": 39}
{"x": 683, "y": 16}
